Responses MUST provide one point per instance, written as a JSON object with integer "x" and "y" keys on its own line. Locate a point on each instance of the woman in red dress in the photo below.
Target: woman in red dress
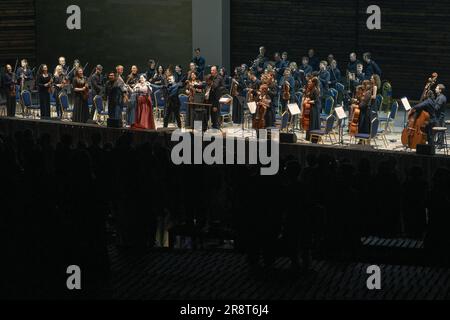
{"x": 144, "y": 111}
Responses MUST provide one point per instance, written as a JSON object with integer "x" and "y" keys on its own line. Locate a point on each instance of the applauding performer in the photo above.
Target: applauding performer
{"x": 144, "y": 111}
{"x": 80, "y": 97}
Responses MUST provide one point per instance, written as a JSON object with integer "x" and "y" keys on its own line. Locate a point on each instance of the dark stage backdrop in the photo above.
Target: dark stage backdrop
{"x": 116, "y": 32}
{"x": 413, "y": 41}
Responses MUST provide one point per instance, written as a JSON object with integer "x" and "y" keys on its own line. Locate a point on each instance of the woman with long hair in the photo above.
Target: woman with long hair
{"x": 80, "y": 97}
{"x": 144, "y": 112}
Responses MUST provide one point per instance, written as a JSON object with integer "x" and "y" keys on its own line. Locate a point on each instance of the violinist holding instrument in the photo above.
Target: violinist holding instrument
{"x": 263, "y": 104}
{"x": 287, "y": 87}
{"x": 59, "y": 84}
{"x": 25, "y": 74}
{"x": 9, "y": 87}
{"x": 311, "y": 107}
{"x": 45, "y": 88}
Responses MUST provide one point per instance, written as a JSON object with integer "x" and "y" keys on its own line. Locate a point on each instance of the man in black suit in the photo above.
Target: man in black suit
{"x": 216, "y": 91}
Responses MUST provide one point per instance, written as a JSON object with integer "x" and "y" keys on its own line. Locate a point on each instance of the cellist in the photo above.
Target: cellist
{"x": 436, "y": 108}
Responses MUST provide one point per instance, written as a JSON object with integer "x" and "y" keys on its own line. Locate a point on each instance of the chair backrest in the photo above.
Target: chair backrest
{"x": 64, "y": 101}
{"x": 299, "y": 97}
{"x": 159, "y": 99}
{"x": 226, "y": 107}
{"x": 379, "y": 102}
{"x": 184, "y": 99}
{"x": 394, "y": 110}
{"x": 26, "y": 99}
{"x": 329, "y": 102}
{"x": 330, "y": 123}
{"x": 98, "y": 103}
{"x": 333, "y": 93}
{"x": 374, "y": 125}
{"x": 340, "y": 87}
{"x": 284, "y": 120}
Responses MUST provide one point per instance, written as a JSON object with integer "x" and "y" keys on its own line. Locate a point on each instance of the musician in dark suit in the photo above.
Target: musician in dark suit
{"x": 170, "y": 90}
{"x": 114, "y": 92}
{"x": 8, "y": 84}
{"x": 335, "y": 74}
{"x": 371, "y": 66}
{"x": 97, "y": 81}
{"x": 436, "y": 108}
{"x": 25, "y": 73}
{"x": 313, "y": 60}
{"x": 200, "y": 62}
{"x": 352, "y": 65}
{"x": 324, "y": 77}
{"x": 216, "y": 91}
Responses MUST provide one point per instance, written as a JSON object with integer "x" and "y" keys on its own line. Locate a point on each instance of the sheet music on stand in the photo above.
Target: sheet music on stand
{"x": 406, "y": 104}
{"x": 340, "y": 113}
{"x": 252, "y": 107}
{"x": 294, "y": 109}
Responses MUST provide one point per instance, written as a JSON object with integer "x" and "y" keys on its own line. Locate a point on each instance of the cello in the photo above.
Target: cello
{"x": 259, "y": 121}
{"x": 415, "y": 132}
{"x": 356, "y": 112}
{"x": 306, "y": 106}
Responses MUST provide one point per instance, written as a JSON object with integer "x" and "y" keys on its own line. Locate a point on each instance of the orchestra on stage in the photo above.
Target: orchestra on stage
{"x": 263, "y": 94}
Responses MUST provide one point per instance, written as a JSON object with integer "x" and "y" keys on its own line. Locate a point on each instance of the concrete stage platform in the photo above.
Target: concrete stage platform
{"x": 354, "y": 153}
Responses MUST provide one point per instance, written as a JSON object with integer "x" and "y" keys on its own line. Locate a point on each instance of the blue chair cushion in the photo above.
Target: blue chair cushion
{"x": 362, "y": 136}
{"x": 317, "y": 132}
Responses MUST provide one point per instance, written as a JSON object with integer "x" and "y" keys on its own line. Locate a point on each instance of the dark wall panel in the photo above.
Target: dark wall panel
{"x": 413, "y": 41}
{"x": 17, "y": 31}
{"x": 116, "y": 32}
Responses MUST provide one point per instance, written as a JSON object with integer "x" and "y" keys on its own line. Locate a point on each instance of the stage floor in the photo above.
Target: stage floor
{"x": 393, "y": 136}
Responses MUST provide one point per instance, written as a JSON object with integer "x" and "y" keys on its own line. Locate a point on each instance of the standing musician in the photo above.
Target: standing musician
{"x": 287, "y": 87}
{"x": 263, "y": 104}
{"x": 193, "y": 86}
{"x": 62, "y": 63}
{"x": 312, "y": 97}
{"x": 371, "y": 66}
{"x": 200, "y": 62}
{"x": 324, "y": 77}
{"x": 335, "y": 74}
{"x": 9, "y": 88}
{"x": 132, "y": 80}
{"x": 97, "y": 85}
{"x": 268, "y": 79}
{"x": 260, "y": 62}
{"x": 158, "y": 78}
{"x": 59, "y": 83}
{"x": 435, "y": 106}
{"x": 216, "y": 88}
{"x": 24, "y": 75}
{"x": 170, "y": 89}
{"x": 80, "y": 99}
{"x": 252, "y": 84}
{"x": 114, "y": 93}
{"x": 352, "y": 65}
{"x": 144, "y": 110}
{"x": 365, "y": 107}
{"x": 45, "y": 88}
{"x": 151, "y": 69}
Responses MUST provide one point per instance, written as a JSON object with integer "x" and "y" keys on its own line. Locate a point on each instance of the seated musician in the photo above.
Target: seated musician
{"x": 436, "y": 108}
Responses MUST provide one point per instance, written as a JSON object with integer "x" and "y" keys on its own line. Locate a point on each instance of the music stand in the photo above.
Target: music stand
{"x": 341, "y": 115}
{"x": 294, "y": 110}
{"x": 407, "y": 106}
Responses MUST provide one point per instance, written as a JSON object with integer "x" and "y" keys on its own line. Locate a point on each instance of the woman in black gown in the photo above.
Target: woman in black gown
{"x": 313, "y": 93}
{"x": 44, "y": 83}
{"x": 80, "y": 97}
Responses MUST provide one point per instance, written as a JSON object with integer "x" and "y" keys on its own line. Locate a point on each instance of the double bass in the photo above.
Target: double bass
{"x": 415, "y": 132}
